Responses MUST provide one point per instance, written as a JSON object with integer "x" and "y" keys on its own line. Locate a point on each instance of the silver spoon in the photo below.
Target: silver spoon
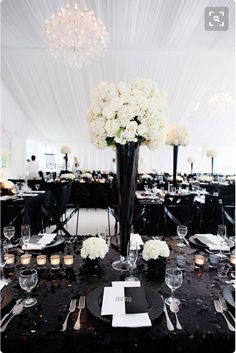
{"x": 16, "y": 311}
{"x": 174, "y": 308}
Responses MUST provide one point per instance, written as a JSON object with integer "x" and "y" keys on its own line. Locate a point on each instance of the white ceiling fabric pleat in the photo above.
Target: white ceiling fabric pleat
{"x": 163, "y": 40}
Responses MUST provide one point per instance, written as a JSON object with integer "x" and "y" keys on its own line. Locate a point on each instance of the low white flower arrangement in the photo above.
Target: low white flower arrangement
{"x": 205, "y": 178}
{"x": 94, "y": 248}
{"x": 146, "y": 177}
{"x": 134, "y": 113}
{"x": 65, "y": 149}
{"x": 154, "y": 249}
{"x": 177, "y": 135}
{"x": 86, "y": 175}
{"x": 231, "y": 178}
{"x": 211, "y": 152}
{"x": 178, "y": 178}
{"x": 191, "y": 160}
{"x": 68, "y": 176}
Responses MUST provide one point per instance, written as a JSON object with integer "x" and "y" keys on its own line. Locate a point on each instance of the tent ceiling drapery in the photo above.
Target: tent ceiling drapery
{"x": 161, "y": 40}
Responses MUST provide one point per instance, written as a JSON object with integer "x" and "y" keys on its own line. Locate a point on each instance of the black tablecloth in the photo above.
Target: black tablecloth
{"x": 37, "y": 329}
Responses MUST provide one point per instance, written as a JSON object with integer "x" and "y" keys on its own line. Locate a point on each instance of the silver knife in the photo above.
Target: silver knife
{"x": 4, "y": 318}
{"x": 168, "y": 322}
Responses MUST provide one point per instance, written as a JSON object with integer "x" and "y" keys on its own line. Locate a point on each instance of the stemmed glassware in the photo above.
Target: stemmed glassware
{"x": 132, "y": 258}
{"x": 37, "y": 186}
{"x": 25, "y": 235}
{"x": 221, "y": 235}
{"x": 182, "y": 231}
{"x": 9, "y": 233}
{"x": 3, "y": 252}
{"x": 28, "y": 279}
{"x": 174, "y": 280}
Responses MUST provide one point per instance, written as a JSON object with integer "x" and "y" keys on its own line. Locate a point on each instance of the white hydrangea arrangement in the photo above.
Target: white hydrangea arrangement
{"x": 146, "y": 177}
{"x": 178, "y": 178}
{"x": 65, "y": 149}
{"x": 86, "y": 175}
{"x": 153, "y": 249}
{"x": 177, "y": 135}
{"x": 134, "y": 113}
{"x": 211, "y": 152}
{"x": 191, "y": 160}
{"x": 94, "y": 248}
{"x": 68, "y": 176}
{"x": 205, "y": 179}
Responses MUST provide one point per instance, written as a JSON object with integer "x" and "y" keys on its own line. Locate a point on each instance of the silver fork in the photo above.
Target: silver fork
{"x": 220, "y": 310}
{"x": 81, "y": 306}
{"x": 225, "y": 308}
{"x": 71, "y": 310}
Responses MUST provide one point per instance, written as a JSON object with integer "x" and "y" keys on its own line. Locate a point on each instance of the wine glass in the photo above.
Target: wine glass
{"x": 37, "y": 186}
{"x": 28, "y": 280}
{"x": 132, "y": 258}
{"x": 221, "y": 235}
{"x": 182, "y": 231}
{"x": 3, "y": 252}
{"x": 25, "y": 235}
{"x": 9, "y": 233}
{"x": 146, "y": 188}
{"x": 174, "y": 280}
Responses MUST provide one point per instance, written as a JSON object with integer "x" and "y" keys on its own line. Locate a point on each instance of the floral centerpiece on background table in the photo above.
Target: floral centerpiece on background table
{"x": 211, "y": 153}
{"x": 125, "y": 116}
{"x": 65, "y": 150}
{"x": 155, "y": 252}
{"x": 67, "y": 176}
{"x": 191, "y": 160}
{"x": 177, "y": 135}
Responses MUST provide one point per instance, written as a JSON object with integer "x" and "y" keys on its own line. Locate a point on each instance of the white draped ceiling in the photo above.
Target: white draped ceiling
{"x": 164, "y": 40}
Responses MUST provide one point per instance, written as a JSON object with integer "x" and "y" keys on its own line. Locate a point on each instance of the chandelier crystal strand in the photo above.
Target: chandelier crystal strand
{"x": 221, "y": 101}
{"x": 75, "y": 35}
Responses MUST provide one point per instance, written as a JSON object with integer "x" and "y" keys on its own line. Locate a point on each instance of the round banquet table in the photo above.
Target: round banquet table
{"x": 37, "y": 329}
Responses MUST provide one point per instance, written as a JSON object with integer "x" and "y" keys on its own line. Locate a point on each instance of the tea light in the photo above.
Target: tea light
{"x": 41, "y": 261}
{"x": 10, "y": 259}
{"x": 55, "y": 261}
{"x": 232, "y": 260}
{"x": 199, "y": 261}
{"x": 68, "y": 260}
{"x": 25, "y": 259}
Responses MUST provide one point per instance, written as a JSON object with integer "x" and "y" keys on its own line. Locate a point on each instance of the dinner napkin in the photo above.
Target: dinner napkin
{"x": 41, "y": 243}
{"x": 212, "y": 242}
{"x": 127, "y": 320}
{"x": 135, "y": 238}
{"x": 3, "y": 283}
{"x": 28, "y": 195}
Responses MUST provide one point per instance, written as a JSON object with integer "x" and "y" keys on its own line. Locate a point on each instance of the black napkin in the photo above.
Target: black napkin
{"x": 135, "y": 300}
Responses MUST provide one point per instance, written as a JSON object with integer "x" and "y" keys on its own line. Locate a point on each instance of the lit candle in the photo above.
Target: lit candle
{"x": 10, "y": 259}
{"x": 68, "y": 260}
{"x": 232, "y": 260}
{"x": 55, "y": 261}
{"x": 41, "y": 261}
{"x": 25, "y": 259}
{"x": 199, "y": 261}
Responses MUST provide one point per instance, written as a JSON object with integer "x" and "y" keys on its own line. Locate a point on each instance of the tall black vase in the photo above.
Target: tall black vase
{"x": 191, "y": 168}
{"x": 127, "y": 170}
{"x": 66, "y": 160}
{"x": 175, "y": 161}
{"x": 212, "y": 166}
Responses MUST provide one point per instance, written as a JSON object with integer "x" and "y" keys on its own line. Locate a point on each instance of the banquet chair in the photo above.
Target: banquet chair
{"x": 53, "y": 214}
{"x": 175, "y": 215}
{"x": 228, "y": 217}
{"x": 181, "y": 200}
{"x": 113, "y": 211}
{"x": 212, "y": 214}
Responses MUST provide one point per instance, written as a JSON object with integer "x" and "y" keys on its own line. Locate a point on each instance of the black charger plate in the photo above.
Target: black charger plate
{"x": 196, "y": 243}
{"x": 154, "y": 301}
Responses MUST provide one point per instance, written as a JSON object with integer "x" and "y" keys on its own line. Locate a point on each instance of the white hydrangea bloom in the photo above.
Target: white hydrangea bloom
{"x": 94, "y": 248}
{"x": 177, "y": 135}
{"x": 154, "y": 248}
{"x": 211, "y": 152}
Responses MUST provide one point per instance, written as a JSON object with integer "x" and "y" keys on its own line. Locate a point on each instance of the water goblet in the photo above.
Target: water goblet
{"x": 3, "y": 252}
{"x": 182, "y": 232}
{"x": 28, "y": 279}
{"x": 9, "y": 233}
{"x": 37, "y": 186}
{"x": 174, "y": 280}
{"x": 132, "y": 258}
{"x": 221, "y": 235}
{"x": 25, "y": 235}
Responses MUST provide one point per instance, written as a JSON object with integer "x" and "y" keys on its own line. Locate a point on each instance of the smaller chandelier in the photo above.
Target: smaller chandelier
{"x": 75, "y": 35}
{"x": 221, "y": 102}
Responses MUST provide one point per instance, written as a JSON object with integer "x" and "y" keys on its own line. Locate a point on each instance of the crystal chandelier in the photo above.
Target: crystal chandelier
{"x": 75, "y": 35}
{"x": 221, "y": 102}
